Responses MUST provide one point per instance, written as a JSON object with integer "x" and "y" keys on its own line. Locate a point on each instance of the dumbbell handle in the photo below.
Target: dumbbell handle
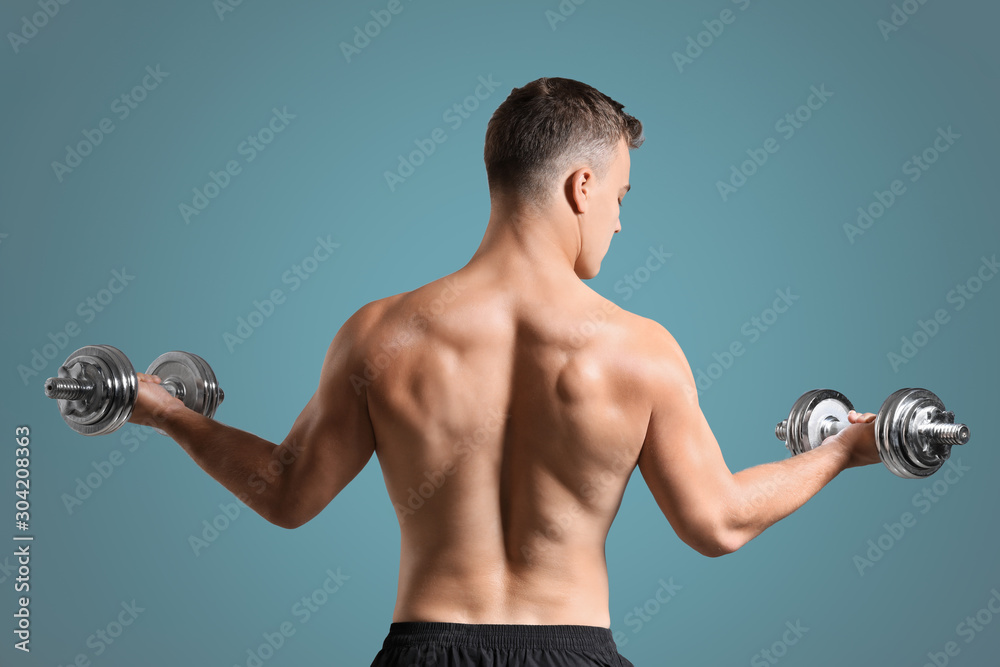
{"x": 71, "y": 389}
{"x": 830, "y": 427}
{"x": 937, "y": 433}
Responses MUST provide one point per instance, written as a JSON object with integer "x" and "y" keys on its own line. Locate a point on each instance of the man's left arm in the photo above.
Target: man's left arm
{"x": 330, "y": 442}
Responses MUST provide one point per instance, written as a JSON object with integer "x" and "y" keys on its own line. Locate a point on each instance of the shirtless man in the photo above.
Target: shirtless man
{"x": 518, "y": 402}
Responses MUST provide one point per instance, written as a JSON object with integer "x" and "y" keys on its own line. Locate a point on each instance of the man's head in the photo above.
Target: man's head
{"x": 559, "y": 149}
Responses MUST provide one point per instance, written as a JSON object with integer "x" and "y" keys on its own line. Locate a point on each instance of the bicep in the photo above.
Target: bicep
{"x": 680, "y": 459}
{"x": 332, "y": 439}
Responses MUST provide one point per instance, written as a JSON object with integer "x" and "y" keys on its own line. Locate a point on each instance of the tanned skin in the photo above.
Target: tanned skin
{"x": 508, "y": 409}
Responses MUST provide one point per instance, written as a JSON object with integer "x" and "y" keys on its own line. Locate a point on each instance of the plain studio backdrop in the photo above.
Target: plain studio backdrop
{"x": 814, "y": 206}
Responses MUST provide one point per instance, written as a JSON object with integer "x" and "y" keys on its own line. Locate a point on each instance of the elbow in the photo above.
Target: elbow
{"x": 713, "y": 548}
{"x": 286, "y": 522}
{"x": 286, "y": 509}
{"x": 291, "y": 518}
{"x": 287, "y": 516}
{"x": 719, "y": 545}
{"x": 714, "y": 541}
{"x": 278, "y": 518}
{"x": 275, "y": 505}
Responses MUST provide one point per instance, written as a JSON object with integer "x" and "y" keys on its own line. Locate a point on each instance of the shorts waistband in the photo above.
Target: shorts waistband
{"x": 572, "y": 637}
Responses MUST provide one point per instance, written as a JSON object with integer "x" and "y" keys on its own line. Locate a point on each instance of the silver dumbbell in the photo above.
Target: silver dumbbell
{"x": 913, "y": 431}
{"x": 97, "y": 386}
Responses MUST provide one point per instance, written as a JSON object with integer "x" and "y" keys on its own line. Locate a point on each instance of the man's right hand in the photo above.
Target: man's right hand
{"x": 858, "y": 439}
{"x": 152, "y": 403}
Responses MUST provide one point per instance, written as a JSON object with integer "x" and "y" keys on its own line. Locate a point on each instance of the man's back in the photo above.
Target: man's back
{"x": 508, "y": 416}
{"x": 508, "y": 405}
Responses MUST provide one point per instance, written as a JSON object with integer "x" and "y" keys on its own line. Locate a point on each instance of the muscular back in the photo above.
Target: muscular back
{"x": 507, "y": 419}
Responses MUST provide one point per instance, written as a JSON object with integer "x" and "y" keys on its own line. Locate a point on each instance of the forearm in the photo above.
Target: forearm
{"x": 236, "y": 459}
{"x": 765, "y": 494}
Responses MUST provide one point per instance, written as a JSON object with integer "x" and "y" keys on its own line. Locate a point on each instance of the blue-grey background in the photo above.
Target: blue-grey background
{"x": 324, "y": 176}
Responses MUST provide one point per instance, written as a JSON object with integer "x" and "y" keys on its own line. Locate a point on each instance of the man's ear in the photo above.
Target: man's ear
{"x": 578, "y": 186}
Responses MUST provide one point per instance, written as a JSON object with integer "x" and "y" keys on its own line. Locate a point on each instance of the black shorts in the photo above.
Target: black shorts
{"x": 462, "y": 645}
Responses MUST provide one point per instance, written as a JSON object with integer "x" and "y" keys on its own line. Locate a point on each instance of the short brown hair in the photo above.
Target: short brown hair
{"x": 545, "y": 126}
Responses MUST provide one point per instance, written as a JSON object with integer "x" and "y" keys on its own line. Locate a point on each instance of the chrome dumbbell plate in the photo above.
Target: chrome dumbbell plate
{"x": 815, "y": 416}
{"x": 111, "y": 388}
{"x": 189, "y": 377}
{"x": 915, "y": 433}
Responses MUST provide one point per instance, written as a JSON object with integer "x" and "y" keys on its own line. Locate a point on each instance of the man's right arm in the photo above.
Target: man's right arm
{"x": 713, "y": 510}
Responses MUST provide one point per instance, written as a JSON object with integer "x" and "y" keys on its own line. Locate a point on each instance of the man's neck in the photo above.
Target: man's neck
{"x": 530, "y": 248}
